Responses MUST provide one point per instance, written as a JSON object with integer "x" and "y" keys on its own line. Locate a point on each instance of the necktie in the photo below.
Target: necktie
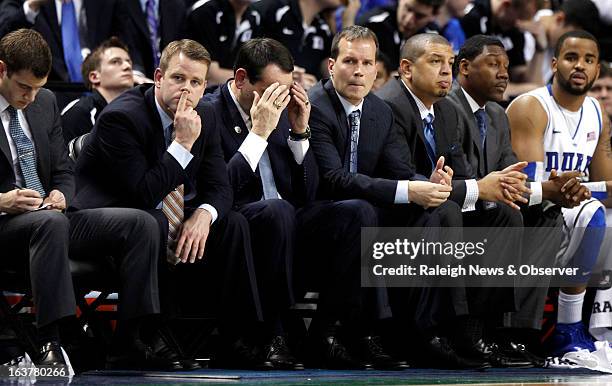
{"x": 173, "y": 207}
{"x": 265, "y": 172}
{"x": 71, "y": 42}
{"x": 153, "y": 28}
{"x": 430, "y": 139}
{"x": 354, "y": 136}
{"x": 481, "y": 119}
{"x": 25, "y": 152}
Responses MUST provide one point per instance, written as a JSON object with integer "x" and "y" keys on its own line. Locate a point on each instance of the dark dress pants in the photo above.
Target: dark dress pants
{"x": 39, "y": 241}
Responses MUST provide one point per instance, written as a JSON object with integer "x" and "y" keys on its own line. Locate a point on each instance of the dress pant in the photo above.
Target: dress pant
{"x": 131, "y": 238}
{"x": 223, "y": 284}
{"x": 39, "y": 241}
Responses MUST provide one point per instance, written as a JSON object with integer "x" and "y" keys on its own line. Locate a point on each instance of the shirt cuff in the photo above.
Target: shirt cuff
{"x": 30, "y": 14}
{"x": 210, "y": 209}
{"x": 471, "y": 196}
{"x": 401, "y": 193}
{"x": 252, "y": 149}
{"x": 299, "y": 149}
{"x": 182, "y": 155}
{"x": 536, "y": 193}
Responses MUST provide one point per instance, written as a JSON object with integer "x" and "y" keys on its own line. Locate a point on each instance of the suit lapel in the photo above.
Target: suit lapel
{"x": 367, "y": 134}
{"x": 35, "y": 119}
{"x": 167, "y": 21}
{"x": 475, "y": 133}
{"x": 136, "y": 13}
{"x": 340, "y": 116}
{"x": 418, "y": 122}
{"x": 491, "y": 144}
{"x": 50, "y": 13}
{"x": 4, "y": 145}
{"x": 232, "y": 118}
{"x": 93, "y": 10}
{"x": 158, "y": 131}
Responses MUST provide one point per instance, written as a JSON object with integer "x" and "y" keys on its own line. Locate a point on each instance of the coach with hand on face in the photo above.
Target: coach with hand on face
{"x": 156, "y": 149}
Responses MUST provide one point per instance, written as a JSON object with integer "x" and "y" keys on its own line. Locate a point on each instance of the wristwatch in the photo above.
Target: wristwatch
{"x": 302, "y": 136}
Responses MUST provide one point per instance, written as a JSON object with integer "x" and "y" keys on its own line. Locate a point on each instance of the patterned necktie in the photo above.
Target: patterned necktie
{"x": 25, "y": 152}
{"x": 152, "y": 23}
{"x": 354, "y": 136}
{"x": 430, "y": 139}
{"x": 173, "y": 208}
{"x": 481, "y": 119}
{"x": 71, "y": 42}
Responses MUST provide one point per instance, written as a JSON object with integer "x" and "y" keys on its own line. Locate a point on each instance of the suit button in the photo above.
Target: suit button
{"x": 237, "y": 129}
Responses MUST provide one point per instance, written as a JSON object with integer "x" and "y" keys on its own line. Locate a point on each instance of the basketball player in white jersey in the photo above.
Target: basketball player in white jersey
{"x": 559, "y": 127}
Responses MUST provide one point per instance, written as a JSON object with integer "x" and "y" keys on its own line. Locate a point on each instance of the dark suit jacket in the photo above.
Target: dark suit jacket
{"x": 172, "y": 26}
{"x": 125, "y": 162}
{"x": 446, "y": 129}
{"x": 498, "y": 152}
{"x": 104, "y": 19}
{"x": 296, "y": 183}
{"x": 53, "y": 165}
{"x": 381, "y": 161}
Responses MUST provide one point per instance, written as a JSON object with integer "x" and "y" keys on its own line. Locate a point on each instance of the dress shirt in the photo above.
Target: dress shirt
{"x": 6, "y": 119}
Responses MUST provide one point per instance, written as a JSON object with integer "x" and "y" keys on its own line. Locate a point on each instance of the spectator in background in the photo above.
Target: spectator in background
{"x": 70, "y": 28}
{"x": 222, "y": 26}
{"x": 150, "y": 25}
{"x": 499, "y": 18}
{"x": 447, "y": 22}
{"x": 107, "y": 72}
{"x": 548, "y": 26}
{"x": 602, "y": 88}
{"x": 299, "y": 26}
{"x": 393, "y": 25}
{"x": 384, "y": 70}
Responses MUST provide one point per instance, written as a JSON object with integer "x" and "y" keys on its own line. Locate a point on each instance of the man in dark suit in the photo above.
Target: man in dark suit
{"x": 107, "y": 72}
{"x": 148, "y": 150}
{"x": 416, "y": 96}
{"x": 149, "y": 26}
{"x": 368, "y": 163}
{"x": 255, "y": 125}
{"x": 37, "y": 164}
{"x": 71, "y": 28}
{"x": 482, "y": 77}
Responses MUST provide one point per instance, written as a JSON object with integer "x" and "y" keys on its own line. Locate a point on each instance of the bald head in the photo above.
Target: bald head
{"x": 416, "y": 46}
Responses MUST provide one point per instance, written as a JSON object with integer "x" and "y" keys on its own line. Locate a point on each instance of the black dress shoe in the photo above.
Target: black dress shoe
{"x": 277, "y": 352}
{"x": 50, "y": 354}
{"x": 139, "y": 356}
{"x": 330, "y": 353}
{"x": 521, "y": 350}
{"x": 496, "y": 355}
{"x": 370, "y": 350}
{"x": 440, "y": 354}
{"x": 164, "y": 341}
{"x": 241, "y": 355}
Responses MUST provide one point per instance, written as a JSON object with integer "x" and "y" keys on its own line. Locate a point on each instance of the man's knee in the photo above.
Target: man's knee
{"x": 449, "y": 214}
{"x": 50, "y": 221}
{"x": 506, "y": 216}
{"x": 358, "y": 212}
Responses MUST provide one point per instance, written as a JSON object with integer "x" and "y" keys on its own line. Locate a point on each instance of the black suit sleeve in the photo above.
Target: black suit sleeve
{"x": 76, "y": 122}
{"x": 61, "y": 172}
{"x": 12, "y": 16}
{"x": 338, "y": 182}
{"x": 121, "y": 147}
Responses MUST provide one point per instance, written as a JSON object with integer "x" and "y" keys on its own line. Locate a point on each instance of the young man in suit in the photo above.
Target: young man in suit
{"x": 107, "y": 72}
{"x": 482, "y": 77}
{"x": 156, "y": 149}
{"x": 262, "y": 114}
{"x": 360, "y": 157}
{"x": 37, "y": 163}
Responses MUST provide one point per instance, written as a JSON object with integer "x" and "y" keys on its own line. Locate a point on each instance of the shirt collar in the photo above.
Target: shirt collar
{"x": 423, "y": 110}
{"x": 245, "y": 117}
{"x": 3, "y": 104}
{"x": 473, "y": 105}
{"x": 165, "y": 118}
{"x": 348, "y": 106}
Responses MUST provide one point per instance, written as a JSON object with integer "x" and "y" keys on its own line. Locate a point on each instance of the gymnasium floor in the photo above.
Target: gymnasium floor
{"x": 325, "y": 377}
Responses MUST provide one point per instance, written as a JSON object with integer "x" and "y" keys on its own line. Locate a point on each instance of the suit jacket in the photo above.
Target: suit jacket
{"x": 79, "y": 118}
{"x": 446, "y": 134}
{"x": 125, "y": 162}
{"x": 53, "y": 165}
{"x": 381, "y": 161}
{"x": 104, "y": 19}
{"x": 296, "y": 183}
{"x": 498, "y": 153}
{"x": 172, "y": 26}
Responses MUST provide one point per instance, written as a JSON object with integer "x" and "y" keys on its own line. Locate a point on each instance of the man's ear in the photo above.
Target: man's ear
{"x": 330, "y": 66}
{"x": 2, "y": 69}
{"x": 405, "y": 68}
{"x": 240, "y": 78}
{"x": 157, "y": 76}
{"x": 94, "y": 78}
{"x": 463, "y": 67}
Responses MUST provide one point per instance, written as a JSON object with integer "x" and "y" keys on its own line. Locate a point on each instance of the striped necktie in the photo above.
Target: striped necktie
{"x": 430, "y": 139}
{"x": 153, "y": 25}
{"x": 354, "y": 137}
{"x": 25, "y": 152}
{"x": 173, "y": 207}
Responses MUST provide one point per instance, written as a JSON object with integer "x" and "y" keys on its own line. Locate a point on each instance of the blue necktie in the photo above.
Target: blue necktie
{"x": 430, "y": 139}
{"x": 481, "y": 119}
{"x": 354, "y": 123}
{"x": 71, "y": 42}
{"x": 265, "y": 172}
{"x": 25, "y": 152}
{"x": 153, "y": 28}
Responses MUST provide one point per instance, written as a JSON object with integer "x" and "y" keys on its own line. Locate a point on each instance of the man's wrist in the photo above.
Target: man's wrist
{"x": 300, "y": 136}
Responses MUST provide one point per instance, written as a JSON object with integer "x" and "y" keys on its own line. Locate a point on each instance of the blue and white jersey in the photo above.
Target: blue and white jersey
{"x": 570, "y": 137}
